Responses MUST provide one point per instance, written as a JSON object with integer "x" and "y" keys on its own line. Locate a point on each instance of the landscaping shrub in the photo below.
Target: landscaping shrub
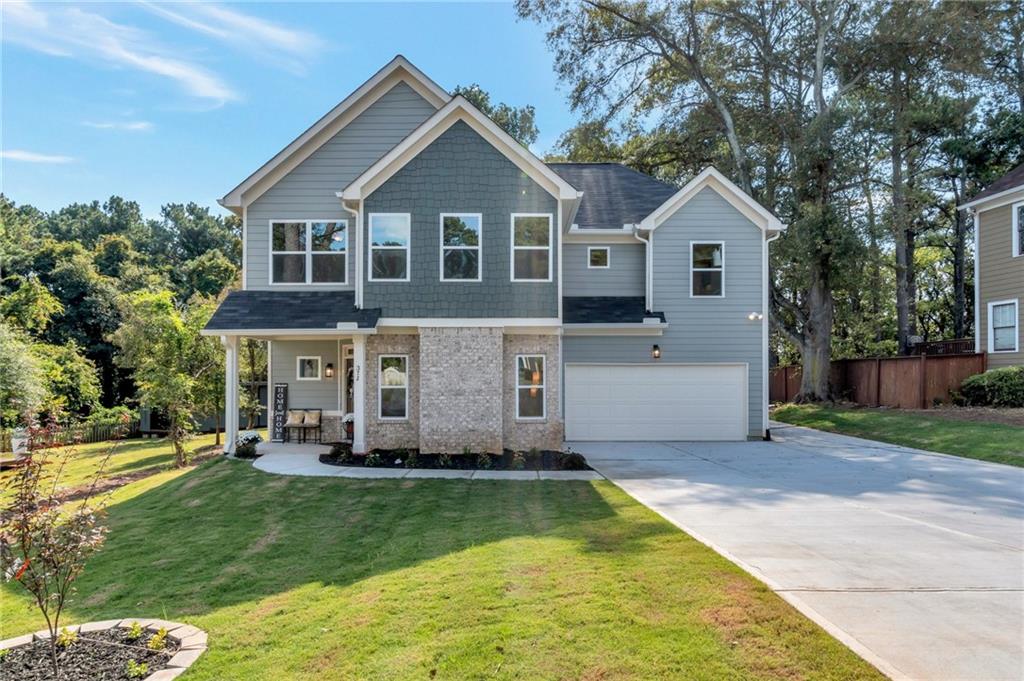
{"x": 572, "y": 461}
{"x": 994, "y": 388}
{"x": 342, "y": 452}
{"x": 484, "y": 462}
{"x": 518, "y": 461}
{"x": 373, "y": 460}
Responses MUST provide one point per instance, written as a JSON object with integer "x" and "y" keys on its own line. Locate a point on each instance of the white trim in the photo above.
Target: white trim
{"x": 979, "y": 204}
{"x": 289, "y": 334}
{"x": 1015, "y": 244}
{"x": 739, "y": 199}
{"x": 1016, "y": 326}
{"x": 370, "y": 248}
{"x": 693, "y": 269}
{"x": 479, "y": 248}
{"x": 397, "y": 70}
{"x": 606, "y": 237}
{"x": 977, "y": 281}
{"x": 765, "y": 331}
{"x": 319, "y": 368}
{"x": 558, "y": 252}
{"x": 270, "y": 390}
{"x": 467, "y": 322}
{"x": 339, "y": 374}
{"x": 458, "y": 109}
{"x": 245, "y": 247}
{"x": 608, "y": 257}
{"x": 542, "y": 387}
{"x": 380, "y": 386}
{"x": 513, "y": 248}
{"x": 308, "y": 253}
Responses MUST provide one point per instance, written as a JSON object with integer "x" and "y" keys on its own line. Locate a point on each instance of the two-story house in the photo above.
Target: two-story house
{"x": 419, "y": 273}
{"x": 999, "y": 270}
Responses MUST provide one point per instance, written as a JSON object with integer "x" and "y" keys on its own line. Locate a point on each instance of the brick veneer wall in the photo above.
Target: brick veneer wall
{"x": 460, "y": 390}
{"x": 524, "y": 435}
{"x": 392, "y": 434}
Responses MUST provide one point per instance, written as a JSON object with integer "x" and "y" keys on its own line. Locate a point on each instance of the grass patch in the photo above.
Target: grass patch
{"x": 995, "y": 442}
{"x": 328, "y": 578}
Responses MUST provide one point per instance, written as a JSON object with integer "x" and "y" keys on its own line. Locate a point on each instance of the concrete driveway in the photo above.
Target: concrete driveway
{"x": 914, "y": 560}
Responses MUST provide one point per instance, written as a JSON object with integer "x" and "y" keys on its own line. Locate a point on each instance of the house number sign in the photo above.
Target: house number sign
{"x": 280, "y": 411}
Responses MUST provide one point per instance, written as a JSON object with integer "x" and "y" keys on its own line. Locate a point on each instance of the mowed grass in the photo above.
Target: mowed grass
{"x": 994, "y": 442}
{"x": 303, "y": 578}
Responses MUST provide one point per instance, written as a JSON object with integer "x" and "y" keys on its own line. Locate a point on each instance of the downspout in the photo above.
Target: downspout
{"x": 648, "y": 269}
{"x": 358, "y": 242}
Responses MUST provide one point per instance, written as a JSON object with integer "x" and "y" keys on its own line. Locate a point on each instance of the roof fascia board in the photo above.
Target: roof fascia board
{"x": 458, "y": 109}
{"x": 339, "y": 332}
{"x": 996, "y": 200}
{"x": 711, "y": 177}
{"x": 397, "y": 70}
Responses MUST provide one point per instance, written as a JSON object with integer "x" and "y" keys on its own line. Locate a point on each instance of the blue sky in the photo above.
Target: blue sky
{"x": 175, "y": 102}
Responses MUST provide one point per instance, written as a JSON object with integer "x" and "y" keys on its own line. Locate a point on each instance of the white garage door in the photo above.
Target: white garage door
{"x": 655, "y": 402}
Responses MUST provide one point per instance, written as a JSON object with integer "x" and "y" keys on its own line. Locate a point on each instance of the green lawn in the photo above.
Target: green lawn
{"x": 975, "y": 440}
{"x": 298, "y": 578}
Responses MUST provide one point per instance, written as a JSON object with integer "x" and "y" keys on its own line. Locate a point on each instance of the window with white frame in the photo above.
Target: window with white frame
{"x": 307, "y": 368}
{"x": 531, "y": 247}
{"x": 393, "y": 387}
{"x": 1018, "y": 229}
{"x": 1002, "y": 326}
{"x": 389, "y": 246}
{"x": 308, "y": 251}
{"x": 707, "y": 269}
{"x": 530, "y": 387}
{"x": 599, "y": 257}
{"x": 460, "y": 246}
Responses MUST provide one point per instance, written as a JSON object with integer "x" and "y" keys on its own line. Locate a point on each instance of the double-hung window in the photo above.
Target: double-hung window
{"x": 393, "y": 387}
{"x": 389, "y": 246}
{"x": 531, "y": 247}
{"x": 707, "y": 269}
{"x": 308, "y": 251}
{"x": 460, "y": 246}
{"x": 1002, "y": 326}
{"x": 530, "y": 387}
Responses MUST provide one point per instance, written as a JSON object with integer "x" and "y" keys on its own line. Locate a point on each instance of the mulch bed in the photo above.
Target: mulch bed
{"x": 94, "y": 656}
{"x": 544, "y": 460}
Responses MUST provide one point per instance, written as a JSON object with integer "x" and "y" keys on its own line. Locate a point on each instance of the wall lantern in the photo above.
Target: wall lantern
{"x": 755, "y": 316}
{"x": 329, "y": 371}
{"x": 656, "y": 351}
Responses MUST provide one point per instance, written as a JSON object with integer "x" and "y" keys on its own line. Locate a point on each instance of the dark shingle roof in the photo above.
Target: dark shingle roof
{"x": 243, "y": 310}
{"x": 613, "y": 195}
{"x": 1014, "y": 178}
{"x": 606, "y": 310}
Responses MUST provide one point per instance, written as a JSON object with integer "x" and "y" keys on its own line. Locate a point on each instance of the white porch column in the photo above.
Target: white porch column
{"x": 230, "y": 393}
{"x": 359, "y": 394}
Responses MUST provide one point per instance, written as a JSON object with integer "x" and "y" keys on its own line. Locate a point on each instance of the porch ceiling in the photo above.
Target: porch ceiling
{"x": 299, "y": 312}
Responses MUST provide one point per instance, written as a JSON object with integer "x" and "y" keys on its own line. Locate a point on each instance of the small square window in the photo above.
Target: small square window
{"x": 598, "y": 257}
{"x": 307, "y": 368}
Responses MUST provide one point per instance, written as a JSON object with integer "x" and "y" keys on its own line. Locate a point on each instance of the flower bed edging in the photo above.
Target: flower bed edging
{"x": 191, "y": 641}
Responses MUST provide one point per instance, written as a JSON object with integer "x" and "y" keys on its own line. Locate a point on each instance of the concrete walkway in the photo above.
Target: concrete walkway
{"x": 296, "y": 459}
{"x": 915, "y": 560}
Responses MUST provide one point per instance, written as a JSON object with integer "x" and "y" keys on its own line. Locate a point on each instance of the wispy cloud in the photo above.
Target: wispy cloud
{"x": 76, "y": 33}
{"x": 33, "y": 157}
{"x": 129, "y": 126}
{"x": 289, "y": 48}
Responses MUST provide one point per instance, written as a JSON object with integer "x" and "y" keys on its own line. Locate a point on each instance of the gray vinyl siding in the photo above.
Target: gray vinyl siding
{"x": 624, "y": 277}
{"x": 322, "y": 394}
{"x": 1002, "y": 278}
{"x": 702, "y": 330}
{"x": 460, "y": 172}
{"x": 308, "y": 191}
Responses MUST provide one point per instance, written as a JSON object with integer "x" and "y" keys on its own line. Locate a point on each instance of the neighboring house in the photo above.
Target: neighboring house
{"x": 999, "y": 269}
{"x": 419, "y": 272}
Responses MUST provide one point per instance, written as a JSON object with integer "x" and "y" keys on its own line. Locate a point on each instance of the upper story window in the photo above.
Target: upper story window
{"x": 1018, "y": 229}
{"x": 389, "y": 246}
{"x": 1002, "y": 326}
{"x": 531, "y": 247}
{"x": 599, "y": 257}
{"x": 707, "y": 269}
{"x": 308, "y": 251}
{"x": 460, "y": 246}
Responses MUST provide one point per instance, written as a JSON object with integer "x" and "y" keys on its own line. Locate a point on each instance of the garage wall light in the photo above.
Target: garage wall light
{"x": 656, "y": 351}
{"x": 755, "y": 316}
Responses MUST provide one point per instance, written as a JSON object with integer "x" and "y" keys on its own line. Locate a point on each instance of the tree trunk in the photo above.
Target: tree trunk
{"x": 216, "y": 427}
{"x": 900, "y": 228}
{"x": 816, "y": 348}
{"x": 959, "y": 270}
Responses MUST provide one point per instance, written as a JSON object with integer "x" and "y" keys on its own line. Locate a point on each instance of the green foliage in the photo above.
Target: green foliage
{"x": 135, "y": 632}
{"x": 66, "y": 637}
{"x": 30, "y": 306}
{"x": 70, "y": 379}
{"x": 158, "y": 641}
{"x": 4, "y": 653}
{"x": 104, "y": 416}
{"x": 445, "y": 461}
{"x": 572, "y": 461}
{"x": 136, "y": 670}
{"x": 518, "y": 461}
{"x": 342, "y": 452}
{"x": 373, "y": 460}
{"x": 995, "y": 388}
{"x": 484, "y": 461}
{"x": 519, "y": 122}
{"x": 412, "y": 460}
{"x": 22, "y": 383}
{"x": 208, "y": 274}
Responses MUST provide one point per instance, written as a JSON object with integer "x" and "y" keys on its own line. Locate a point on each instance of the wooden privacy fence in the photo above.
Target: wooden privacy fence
{"x": 903, "y": 382}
